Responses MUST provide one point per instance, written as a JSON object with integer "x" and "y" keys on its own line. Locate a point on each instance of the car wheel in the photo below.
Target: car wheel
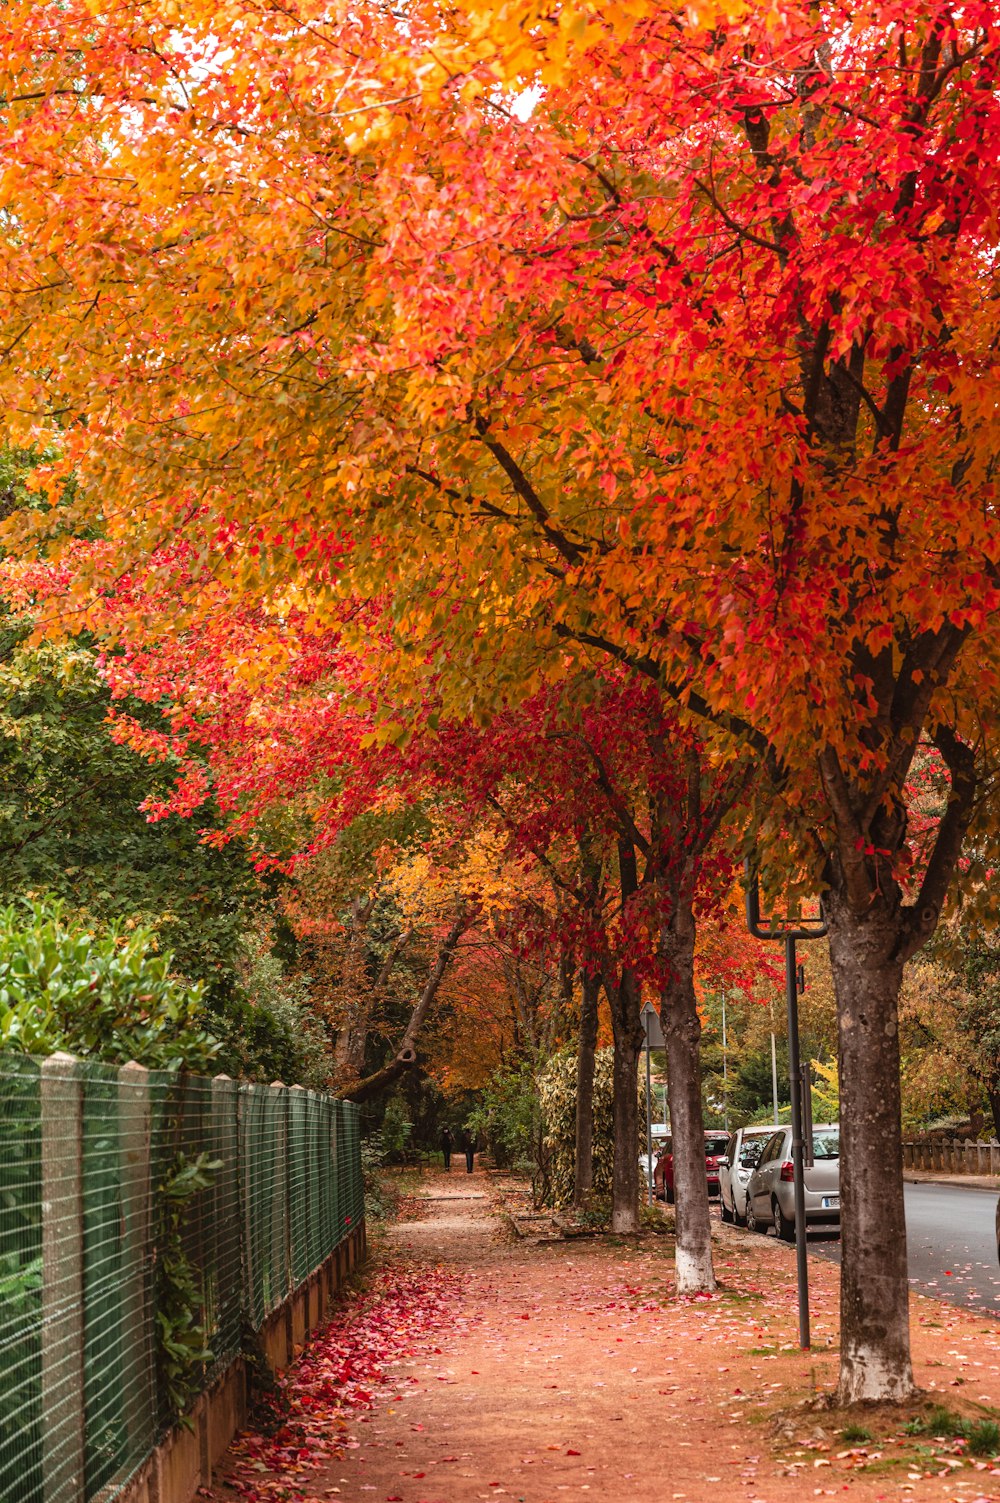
{"x": 752, "y": 1223}
{"x": 739, "y": 1220}
{"x": 669, "y": 1195}
{"x": 783, "y": 1228}
{"x": 727, "y": 1214}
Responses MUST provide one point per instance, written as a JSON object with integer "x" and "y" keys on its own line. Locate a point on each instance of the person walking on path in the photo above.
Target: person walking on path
{"x": 447, "y": 1143}
{"x": 469, "y": 1145}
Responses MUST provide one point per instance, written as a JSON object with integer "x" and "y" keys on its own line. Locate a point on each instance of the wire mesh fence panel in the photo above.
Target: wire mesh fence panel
{"x": 350, "y": 1191}
{"x": 140, "y": 1407}
{"x": 263, "y": 1178}
{"x": 144, "y": 1217}
{"x": 106, "y": 1451}
{"x": 20, "y": 1283}
{"x": 336, "y": 1184}
{"x": 298, "y": 1183}
{"x": 324, "y": 1232}
{"x": 314, "y": 1248}
{"x": 196, "y": 1192}
{"x": 314, "y": 1231}
{"x": 350, "y": 1167}
{"x": 224, "y": 1261}
{"x": 63, "y": 1337}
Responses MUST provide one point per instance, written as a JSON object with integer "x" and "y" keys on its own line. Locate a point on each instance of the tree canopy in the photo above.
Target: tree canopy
{"x": 659, "y": 338}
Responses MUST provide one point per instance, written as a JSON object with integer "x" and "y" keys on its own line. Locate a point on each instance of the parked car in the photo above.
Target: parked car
{"x": 771, "y": 1191}
{"x": 716, "y": 1144}
{"x": 736, "y": 1168}
{"x": 659, "y": 1132}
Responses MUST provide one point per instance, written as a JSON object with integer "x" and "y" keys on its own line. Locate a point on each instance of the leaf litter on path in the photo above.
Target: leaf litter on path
{"x": 344, "y": 1369}
{"x": 655, "y": 1396}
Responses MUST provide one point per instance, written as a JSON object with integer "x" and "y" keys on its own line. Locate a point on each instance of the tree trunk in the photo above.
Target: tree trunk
{"x": 995, "y": 1109}
{"x": 874, "y": 1288}
{"x": 406, "y": 1054}
{"x": 583, "y": 1181}
{"x": 682, "y": 1036}
{"x": 625, "y": 1001}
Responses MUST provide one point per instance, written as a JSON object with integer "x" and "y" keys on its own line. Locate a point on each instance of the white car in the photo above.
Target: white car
{"x": 660, "y": 1132}
{"x": 736, "y": 1168}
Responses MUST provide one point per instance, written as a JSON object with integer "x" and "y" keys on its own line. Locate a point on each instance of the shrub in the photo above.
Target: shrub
{"x": 381, "y": 1199}
{"x": 557, "y": 1098}
{"x": 106, "y": 996}
{"x": 268, "y": 1028}
{"x": 396, "y": 1128}
{"x": 507, "y": 1118}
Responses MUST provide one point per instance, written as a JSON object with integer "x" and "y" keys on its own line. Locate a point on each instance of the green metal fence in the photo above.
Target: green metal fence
{"x": 118, "y": 1289}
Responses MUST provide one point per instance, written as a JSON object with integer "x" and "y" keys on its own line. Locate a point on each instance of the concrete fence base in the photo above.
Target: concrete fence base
{"x": 187, "y": 1459}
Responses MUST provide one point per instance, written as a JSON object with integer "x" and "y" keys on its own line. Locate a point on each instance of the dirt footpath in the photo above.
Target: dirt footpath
{"x": 566, "y": 1369}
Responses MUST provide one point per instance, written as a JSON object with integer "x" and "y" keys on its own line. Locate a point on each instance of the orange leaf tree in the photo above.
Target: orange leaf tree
{"x": 595, "y": 787}
{"x": 693, "y": 367}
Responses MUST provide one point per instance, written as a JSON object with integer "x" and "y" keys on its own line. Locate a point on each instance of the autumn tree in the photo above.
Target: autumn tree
{"x": 690, "y": 367}
{"x": 616, "y": 805}
{"x": 622, "y": 807}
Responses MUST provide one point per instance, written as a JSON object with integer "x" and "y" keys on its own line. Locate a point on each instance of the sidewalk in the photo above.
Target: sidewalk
{"x": 542, "y": 1370}
{"x": 933, "y": 1177}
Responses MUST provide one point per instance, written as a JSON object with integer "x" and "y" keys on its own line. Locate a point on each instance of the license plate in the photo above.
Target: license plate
{"x": 831, "y": 1202}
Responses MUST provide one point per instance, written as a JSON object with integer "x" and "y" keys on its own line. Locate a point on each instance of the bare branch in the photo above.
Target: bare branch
{"x": 923, "y": 914}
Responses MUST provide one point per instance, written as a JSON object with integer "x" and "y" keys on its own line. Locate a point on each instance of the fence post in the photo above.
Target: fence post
{"x": 139, "y": 1376}
{"x": 63, "y": 1417}
{"x": 281, "y": 1233}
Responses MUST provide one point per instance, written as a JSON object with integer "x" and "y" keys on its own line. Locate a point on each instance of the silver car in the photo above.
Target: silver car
{"x": 736, "y": 1168}
{"x": 771, "y": 1191}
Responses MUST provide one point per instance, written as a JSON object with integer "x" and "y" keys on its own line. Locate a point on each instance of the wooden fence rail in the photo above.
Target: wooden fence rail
{"x": 955, "y": 1156}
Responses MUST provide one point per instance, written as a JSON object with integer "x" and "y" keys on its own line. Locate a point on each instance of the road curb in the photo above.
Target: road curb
{"x": 969, "y": 1181}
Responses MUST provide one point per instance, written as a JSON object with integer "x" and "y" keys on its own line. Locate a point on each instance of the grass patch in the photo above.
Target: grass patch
{"x": 981, "y": 1436}
{"x": 739, "y": 1296}
{"x": 856, "y": 1434}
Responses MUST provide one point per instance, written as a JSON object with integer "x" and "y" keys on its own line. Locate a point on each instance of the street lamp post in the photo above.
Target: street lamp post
{"x": 790, "y": 930}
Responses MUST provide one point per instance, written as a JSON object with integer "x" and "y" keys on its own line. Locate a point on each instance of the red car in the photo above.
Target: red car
{"x": 716, "y": 1144}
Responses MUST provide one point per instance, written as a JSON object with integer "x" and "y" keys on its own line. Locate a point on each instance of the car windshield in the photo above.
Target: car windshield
{"x": 826, "y": 1145}
{"x": 750, "y": 1152}
{"x": 716, "y": 1146}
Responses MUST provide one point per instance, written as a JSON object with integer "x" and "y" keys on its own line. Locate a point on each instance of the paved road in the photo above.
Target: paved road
{"x": 951, "y": 1242}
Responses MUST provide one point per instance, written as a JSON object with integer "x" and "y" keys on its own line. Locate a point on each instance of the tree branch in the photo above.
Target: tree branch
{"x": 522, "y": 486}
{"x": 399, "y": 944}
{"x": 406, "y": 1054}
{"x": 922, "y": 915}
